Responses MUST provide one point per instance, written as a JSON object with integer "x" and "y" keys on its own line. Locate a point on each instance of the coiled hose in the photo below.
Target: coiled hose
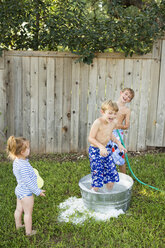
{"x": 129, "y": 166}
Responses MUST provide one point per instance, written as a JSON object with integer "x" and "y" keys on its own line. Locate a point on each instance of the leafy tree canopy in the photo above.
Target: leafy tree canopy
{"x": 83, "y": 27}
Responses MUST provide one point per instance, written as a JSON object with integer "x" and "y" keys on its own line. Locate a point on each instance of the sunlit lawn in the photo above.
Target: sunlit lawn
{"x": 142, "y": 226}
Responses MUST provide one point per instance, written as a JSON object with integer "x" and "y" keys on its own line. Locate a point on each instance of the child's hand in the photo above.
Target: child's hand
{"x": 122, "y": 148}
{"x": 103, "y": 152}
{"x": 42, "y": 193}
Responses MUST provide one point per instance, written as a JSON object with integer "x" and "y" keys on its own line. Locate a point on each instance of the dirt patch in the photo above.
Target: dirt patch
{"x": 151, "y": 150}
{"x": 50, "y": 157}
{"x": 64, "y": 157}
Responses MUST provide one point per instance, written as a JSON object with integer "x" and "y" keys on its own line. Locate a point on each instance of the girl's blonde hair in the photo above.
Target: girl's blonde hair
{"x": 15, "y": 146}
{"x": 109, "y": 104}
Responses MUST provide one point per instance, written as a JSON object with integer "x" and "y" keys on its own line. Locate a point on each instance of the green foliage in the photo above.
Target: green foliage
{"x": 80, "y": 26}
{"x": 141, "y": 226}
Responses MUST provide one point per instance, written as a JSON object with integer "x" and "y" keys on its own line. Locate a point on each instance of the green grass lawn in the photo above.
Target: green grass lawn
{"x": 142, "y": 226}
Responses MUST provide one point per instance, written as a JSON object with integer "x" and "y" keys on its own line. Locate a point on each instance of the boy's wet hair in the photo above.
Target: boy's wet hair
{"x": 131, "y": 91}
{"x": 109, "y": 104}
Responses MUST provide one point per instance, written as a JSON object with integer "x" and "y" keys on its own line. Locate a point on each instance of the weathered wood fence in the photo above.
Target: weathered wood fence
{"x": 52, "y": 101}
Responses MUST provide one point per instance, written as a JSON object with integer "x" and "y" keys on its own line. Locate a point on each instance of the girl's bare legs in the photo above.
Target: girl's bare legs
{"x": 109, "y": 185}
{"x": 18, "y": 214}
{"x": 27, "y": 204}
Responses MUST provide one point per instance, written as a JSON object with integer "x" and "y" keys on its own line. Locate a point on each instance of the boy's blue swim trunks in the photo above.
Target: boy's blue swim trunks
{"x": 117, "y": 155}
{"x": 103, "y": 169}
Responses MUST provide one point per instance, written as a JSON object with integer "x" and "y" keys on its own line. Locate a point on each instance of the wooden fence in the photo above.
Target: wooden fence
{"x": 53, "y": 101}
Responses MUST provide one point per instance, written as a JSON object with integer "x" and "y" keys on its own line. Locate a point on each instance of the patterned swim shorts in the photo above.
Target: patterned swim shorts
{"x": 117, "y": 155}
{"x": 103, "y": 169}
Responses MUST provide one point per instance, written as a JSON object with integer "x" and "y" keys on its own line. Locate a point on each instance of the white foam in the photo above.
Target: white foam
{"x": 73, "y": 210}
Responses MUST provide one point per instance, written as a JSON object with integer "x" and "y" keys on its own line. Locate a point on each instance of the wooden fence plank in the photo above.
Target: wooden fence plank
{"x": 152, "y": 108}
{"x": 17, "y": 78}
{"x": 26, "y": 90}
{"x": 3, "y": 124}
{"x": 50, "y": 118}
{"x": 67, "y": 91}
{"x": 34, "y": 104}
{"x": 59, "y": 63}
{"x": 75, "y": 106}
{"x": 134, "y": 106}
{"x": 146, "y": 67}
{"x": 10, "y": 95}
{"x": 83, "y": 108}
{"x": 2, "y": 101}
{"x": 128, "y": 73}
{"x": 92, "y": 95}
{"x": 42, "y": 101}
{"x": 128, "y": 79}
{"x": 160, "y": 122}
{"x": 119, "y": 78}
{"x": 110, "y": 78}
{"x": 101, "y": 84}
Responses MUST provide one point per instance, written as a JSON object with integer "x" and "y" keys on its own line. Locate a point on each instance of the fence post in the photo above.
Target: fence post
{"x": 2, "y": 104}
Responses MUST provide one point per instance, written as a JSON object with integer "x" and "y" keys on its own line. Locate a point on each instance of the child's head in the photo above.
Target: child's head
{"x": 130, "y": 92}
{"x": 109, "y": 105}
{"x": 15, "y": 146}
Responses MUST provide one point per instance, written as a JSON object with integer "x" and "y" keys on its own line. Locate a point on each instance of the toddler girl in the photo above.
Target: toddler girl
{"x": 18, "y": 150}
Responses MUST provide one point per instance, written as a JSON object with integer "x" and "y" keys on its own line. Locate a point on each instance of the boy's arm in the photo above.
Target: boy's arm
{"x": 127, "y": 121}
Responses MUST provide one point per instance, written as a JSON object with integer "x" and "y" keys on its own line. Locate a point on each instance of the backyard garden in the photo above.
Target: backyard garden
{"x": 58, "y": 61}
{"x": 141, "y": 226}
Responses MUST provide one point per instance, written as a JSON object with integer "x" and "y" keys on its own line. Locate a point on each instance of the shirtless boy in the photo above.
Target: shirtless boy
{"x": 103, "y": 168}
{"x": 123, "y": 122}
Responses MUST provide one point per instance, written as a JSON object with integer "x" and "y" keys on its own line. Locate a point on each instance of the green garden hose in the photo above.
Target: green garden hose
{"x": 131, "y": 169}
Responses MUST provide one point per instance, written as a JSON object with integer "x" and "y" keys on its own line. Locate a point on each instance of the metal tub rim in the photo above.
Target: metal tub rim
{"x": 100, "y": 201}
{"x": 121, "y": 175}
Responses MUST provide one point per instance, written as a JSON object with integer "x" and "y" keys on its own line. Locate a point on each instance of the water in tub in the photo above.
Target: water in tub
{"x": 118, "y": 187}
{"x": 74, "y": 210}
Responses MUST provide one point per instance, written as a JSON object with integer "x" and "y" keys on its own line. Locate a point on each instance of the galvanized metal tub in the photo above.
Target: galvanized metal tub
{"x": 104, "y": 200}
